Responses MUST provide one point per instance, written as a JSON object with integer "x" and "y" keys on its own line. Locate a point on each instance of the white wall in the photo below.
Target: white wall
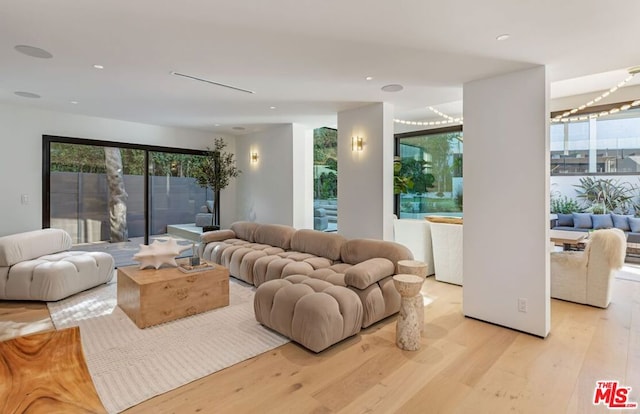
{"x": 506, "y": 173}
{"x": 267, "y": 191}
{"x": 365, "y": 178}
{"x": 21, "y": 131}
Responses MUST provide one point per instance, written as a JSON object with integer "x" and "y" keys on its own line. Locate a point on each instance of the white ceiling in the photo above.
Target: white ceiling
{"x": 307, "y": 58}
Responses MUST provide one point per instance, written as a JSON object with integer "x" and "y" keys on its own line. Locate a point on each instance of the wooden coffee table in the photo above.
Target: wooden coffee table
{"x": 154, "y": 296}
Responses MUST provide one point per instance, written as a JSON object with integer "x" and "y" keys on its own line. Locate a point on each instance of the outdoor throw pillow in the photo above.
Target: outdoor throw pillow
{"x": 634, "y": 224}
{"x": 565, "y": 220}
{"x": 621, "y": 221}
{"x": 601, "y": 221}
{"x": 581, "y": 220}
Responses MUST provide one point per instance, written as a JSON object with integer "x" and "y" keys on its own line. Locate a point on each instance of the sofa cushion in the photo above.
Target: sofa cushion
{"x": 565, "y": 220}
{"x": 319, "y": 212}
{"x": 601, "y": 221}
{"x": 329, "y": 276}
{"x": 634, "y": 224}
{"x": 582, "y": 220}
{"x": 318, "y": 243}
{"x": 319, "y": 262}
{"x": 312, "y": 312}
{"x": 30, "y": 245}
{"x": 216, "y": 235}
{"x": 359, "y": 250}
{"x": 204, "y": 219}
{"x": 621, "y": 221}
{"x": 56, "y": 276}
{"x": 295, "y": 255}
{"x": 245, "y": 230}
{"x": 368, "y": 272}
{"x": 276, "y": 235}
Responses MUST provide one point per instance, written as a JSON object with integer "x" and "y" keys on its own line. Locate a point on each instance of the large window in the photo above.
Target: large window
{"x": 606, "y": 145}
{"x": 325, "y": 179}
{"x": 429, "y": 180}
{"x": 98, "y": 191}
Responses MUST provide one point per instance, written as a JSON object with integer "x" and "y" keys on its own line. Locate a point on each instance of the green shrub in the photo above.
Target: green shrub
{"x": 610, "y": 193}
{"x": 564, "y": 205}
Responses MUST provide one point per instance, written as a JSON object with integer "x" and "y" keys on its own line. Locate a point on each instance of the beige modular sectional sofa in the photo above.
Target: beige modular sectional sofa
{"x": 314, "y": 287}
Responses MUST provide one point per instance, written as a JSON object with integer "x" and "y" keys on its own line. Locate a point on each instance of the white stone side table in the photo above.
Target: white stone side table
{"x": 413, "y": 267}
{"x": 408, "y": 327}
{"x": 418, "y": 268}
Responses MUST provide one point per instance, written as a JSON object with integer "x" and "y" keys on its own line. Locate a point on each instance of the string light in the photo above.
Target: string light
{"x": 612, "y": 111}
{"x": 566, "y": 116}
{"x": 435, "y": 111}
{"x": 448, "y": 120}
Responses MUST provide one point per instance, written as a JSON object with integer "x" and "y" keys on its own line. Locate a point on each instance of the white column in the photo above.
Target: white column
{"x": 302, "y": 172}
{"x": 506, "y": 200}
{"x": 365, "y": 178}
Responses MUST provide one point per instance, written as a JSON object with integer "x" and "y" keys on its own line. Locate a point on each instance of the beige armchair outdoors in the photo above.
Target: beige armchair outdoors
{"x": 585, "y": 277}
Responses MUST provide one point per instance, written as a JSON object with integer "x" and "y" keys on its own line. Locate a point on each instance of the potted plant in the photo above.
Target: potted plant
{"x": 215, "y": 172}
{"x": 401, "y": 183}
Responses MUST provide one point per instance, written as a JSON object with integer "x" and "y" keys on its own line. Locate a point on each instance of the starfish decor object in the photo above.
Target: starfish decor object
{"x": 161, "y": 251}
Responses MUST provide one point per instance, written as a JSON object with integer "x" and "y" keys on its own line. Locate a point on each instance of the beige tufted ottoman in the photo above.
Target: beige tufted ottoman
{"x": 37, "y": 265}
{"x": 312, "y": 312}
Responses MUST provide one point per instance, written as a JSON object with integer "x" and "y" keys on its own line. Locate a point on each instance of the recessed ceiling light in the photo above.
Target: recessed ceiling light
{"x": 392, "y": 88}
{"x": 504, "y": 36}
{"x": 74, "y": 102}
{"x": 237, "y": 128}
{"x": 32, "y": 51}
{"x": 272, "y": 107}
{"x": 27, "y": 94}
{"x": 98, "y": 66}
{"x": 369, "y": 78}
{"x": 216, "y": 125}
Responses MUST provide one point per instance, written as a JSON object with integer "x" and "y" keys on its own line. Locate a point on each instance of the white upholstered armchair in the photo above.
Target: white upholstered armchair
{"x": 585, "y": 277}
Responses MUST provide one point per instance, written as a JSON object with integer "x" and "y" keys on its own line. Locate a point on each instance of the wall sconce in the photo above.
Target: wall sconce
{"x": 356, "y": 143}
{"x": 254, "y": 157}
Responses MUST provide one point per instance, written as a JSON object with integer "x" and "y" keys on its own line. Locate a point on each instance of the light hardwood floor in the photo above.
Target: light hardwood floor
{"x": 463, "y": 366}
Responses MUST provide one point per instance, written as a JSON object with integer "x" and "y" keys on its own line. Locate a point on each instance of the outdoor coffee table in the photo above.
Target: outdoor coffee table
{"x": 154, "y": 296}
{"x": 569, "y": 239}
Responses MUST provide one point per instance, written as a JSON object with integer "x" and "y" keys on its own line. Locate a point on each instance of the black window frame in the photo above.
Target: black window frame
{"x": 46, "y": 170}
{"x": 420, "y": 133}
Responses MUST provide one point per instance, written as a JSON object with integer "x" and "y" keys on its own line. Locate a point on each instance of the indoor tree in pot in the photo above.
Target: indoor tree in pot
{"x": 215, "y": 172}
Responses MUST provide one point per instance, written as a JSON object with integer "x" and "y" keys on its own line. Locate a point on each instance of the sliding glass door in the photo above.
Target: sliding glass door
{"x": 79, "y": 192}
{"x": 325, "y": 179}
{"x": 174, "y": 195}
{"x": 112, "y": 192}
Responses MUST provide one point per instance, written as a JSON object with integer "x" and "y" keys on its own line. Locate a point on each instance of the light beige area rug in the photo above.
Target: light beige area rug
{"x": 130, "y": 365}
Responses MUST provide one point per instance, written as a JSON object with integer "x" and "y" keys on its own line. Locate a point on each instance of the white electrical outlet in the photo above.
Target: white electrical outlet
{"x": 522, "y": 304}
{"x": 24, "y": 199}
